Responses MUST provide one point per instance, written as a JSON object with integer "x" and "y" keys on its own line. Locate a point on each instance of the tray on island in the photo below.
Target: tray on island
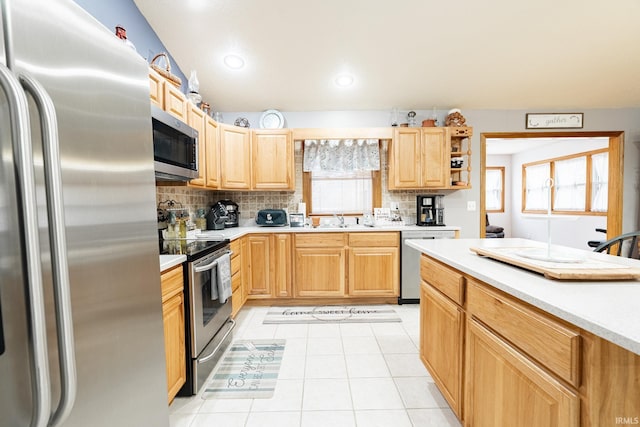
{"x": 560, "y": 266}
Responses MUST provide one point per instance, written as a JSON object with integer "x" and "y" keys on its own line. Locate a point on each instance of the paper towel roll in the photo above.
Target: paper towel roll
{"x": 302, "y": 208}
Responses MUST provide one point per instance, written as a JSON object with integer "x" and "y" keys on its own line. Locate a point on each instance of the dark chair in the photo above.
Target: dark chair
{"x": 625, "y": 245}
{"x": 492, "y": 231}
{"x": 596, "y": 243}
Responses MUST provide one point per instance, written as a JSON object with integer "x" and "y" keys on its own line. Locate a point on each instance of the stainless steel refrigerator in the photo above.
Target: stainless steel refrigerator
{"x": 81, "y": 334}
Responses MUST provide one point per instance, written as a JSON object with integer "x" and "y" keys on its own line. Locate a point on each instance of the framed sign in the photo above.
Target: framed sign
{"x": 554, "y": 120}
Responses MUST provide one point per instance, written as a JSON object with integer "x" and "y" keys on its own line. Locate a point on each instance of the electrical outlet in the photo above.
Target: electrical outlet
{"x": 471, "y": 205}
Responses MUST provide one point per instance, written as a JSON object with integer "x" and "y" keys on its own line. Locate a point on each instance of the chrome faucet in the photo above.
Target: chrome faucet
{"x": 340, "y": 219}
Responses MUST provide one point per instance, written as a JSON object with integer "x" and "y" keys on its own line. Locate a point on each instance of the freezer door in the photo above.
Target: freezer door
{"x": 101, "y": 94}
{"x": 15, "y": 380}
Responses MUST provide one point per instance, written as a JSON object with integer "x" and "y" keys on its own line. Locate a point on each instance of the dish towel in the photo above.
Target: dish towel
{"x": 224, "y": 278}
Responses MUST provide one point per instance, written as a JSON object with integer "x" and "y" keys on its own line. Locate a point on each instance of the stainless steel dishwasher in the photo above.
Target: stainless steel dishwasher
{"x": 410, "y": 262}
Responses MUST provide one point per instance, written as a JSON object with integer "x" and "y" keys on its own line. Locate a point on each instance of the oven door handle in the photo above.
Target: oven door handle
{"x": 215, "y": 350}
{"x": 209, "y": 266}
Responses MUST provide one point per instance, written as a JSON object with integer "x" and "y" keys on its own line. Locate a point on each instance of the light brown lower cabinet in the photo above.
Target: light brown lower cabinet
{"x": 499, "y": 361}
{"x": 237, "y": 283}
{"x": 320, "y": 272}
{"x": 268, "y": 265}
{"x": 374, "y": 263}
{"x": 173, "y": 320}
{"x": 505, "y": 388}
{"x": 441, "y": 343}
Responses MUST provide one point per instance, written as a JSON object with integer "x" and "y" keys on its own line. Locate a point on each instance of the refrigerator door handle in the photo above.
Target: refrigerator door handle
{"x": 58, "y": 242}
{"x": 23, "y": 158}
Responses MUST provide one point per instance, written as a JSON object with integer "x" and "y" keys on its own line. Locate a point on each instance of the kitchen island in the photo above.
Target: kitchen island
{"x": 507, "y": 346}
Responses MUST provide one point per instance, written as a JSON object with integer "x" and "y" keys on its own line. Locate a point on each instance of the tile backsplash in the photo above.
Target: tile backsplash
{"x": 250, "y": 202}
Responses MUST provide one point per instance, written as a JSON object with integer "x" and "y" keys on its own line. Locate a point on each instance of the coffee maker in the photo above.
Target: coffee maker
{"x": 430, "y": 210}
{"x": 228, "y": 209}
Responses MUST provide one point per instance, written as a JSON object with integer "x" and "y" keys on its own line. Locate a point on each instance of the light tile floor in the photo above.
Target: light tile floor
{"x": 332, "y": 375}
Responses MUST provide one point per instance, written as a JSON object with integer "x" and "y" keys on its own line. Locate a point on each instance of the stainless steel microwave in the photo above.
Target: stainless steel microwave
{"x": 175, "y": 147}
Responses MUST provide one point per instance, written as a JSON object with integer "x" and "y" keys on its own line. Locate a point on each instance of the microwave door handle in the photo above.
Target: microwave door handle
{"x": 58, "y": 242}
{"x": 23, "y": 157}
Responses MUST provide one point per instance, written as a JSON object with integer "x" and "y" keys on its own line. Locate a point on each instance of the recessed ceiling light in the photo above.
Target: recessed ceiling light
{"x": 344, "y": 80}
{"x": 234, "y": 62}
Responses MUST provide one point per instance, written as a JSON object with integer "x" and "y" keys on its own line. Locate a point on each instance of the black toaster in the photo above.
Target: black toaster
{"x": 271, "y": 218}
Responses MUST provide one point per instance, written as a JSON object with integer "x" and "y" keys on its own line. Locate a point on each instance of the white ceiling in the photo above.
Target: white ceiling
{"x": 549, "y": 55}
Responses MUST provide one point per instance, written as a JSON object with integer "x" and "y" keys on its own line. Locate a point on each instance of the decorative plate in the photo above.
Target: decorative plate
{"x": 271, "y": 119}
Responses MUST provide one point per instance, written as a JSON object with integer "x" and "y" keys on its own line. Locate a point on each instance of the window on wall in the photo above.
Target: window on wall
{"x": 332, "y": 192}
{"x": 579, "y": 184}
{"x": 494, "y": 188}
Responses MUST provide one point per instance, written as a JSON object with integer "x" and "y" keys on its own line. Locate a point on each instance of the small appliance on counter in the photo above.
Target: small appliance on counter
{"x": 430, "y": 210}
{"x": 215, "y": 218}
{"x": 227, "y": 209}
{"x": 271, "y": 218}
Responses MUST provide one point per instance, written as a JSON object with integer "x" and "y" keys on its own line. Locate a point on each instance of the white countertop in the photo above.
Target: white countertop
{"x": 168, "y": 261}
{"x": 608, "y": 309}
{"x": 235, "y": 232}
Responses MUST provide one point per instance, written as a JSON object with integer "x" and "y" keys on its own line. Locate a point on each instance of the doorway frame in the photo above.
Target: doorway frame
{"x": 616, "y": 170}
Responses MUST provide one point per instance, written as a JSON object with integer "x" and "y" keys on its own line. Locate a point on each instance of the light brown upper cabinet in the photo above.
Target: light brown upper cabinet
{"x": 273, "y": 163}
{"x": 156, "y": 88}
{"x": 196, "y": 119}
{"x": 421, "y": 158}
{"x": 212, "y": 150}
{"x": 175, "y": 103}
{"x": 260, "y": 159}
{"x": 235, "y": 157}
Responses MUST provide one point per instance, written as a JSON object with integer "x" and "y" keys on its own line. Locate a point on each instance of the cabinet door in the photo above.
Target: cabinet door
{"x": 272, "y": 160}
{"x": 156, "y": 88}
{"x": 441, "y": 343}
{"x": 258, "y": 253}
{"x": 405, "y": 159}
{"x": 174, "y": 342}
{"x": 373, "y": 271}
{"x": 504, "y": 388}
{"x": 196, "y": 120}
{"x": 435, "y": 158}
{"x": 174, "y": 102}
{"x": 244, "y": 262}
{"x": 281, "y": 251}
{"x": 235, "y": 157}
{"x": 320, "y": 272}
{"x": 212, "y": 148}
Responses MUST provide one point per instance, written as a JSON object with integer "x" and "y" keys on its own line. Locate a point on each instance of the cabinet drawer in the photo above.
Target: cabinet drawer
{"x": 235, "y": 248}
{"x": 171, "y": 282}
{"x": 236, "y": 281}
{"x": 236, "y": 302}
{"x": 554, "y": 345}
{"x": 320, "y": 239}
{"x": 374, "y": 239}
{"x": 448, "y": 281}
{"x": 236, "y": 263}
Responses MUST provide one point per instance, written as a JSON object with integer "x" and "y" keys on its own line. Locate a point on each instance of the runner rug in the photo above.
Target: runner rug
{"x": 249, "y": 370}
{"x": 332, "y": 314}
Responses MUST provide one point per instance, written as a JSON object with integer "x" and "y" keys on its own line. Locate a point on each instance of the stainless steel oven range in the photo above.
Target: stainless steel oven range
{"x": 208, "y": 323}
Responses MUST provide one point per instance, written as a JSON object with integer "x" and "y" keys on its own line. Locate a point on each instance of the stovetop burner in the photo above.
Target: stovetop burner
{"x": 193, "y": 249}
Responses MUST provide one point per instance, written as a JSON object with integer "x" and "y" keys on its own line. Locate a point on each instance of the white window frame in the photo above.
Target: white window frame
{"x": 494, "y": 192}
{"x": 534, "y": 188}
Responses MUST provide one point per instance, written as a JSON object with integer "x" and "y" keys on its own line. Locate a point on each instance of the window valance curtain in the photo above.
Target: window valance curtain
{"x": 344, "y": 155}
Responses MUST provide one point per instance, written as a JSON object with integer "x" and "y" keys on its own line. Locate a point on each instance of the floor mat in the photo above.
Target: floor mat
{"x": 332, "y": 314}
{"x": 249, "y": 370}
